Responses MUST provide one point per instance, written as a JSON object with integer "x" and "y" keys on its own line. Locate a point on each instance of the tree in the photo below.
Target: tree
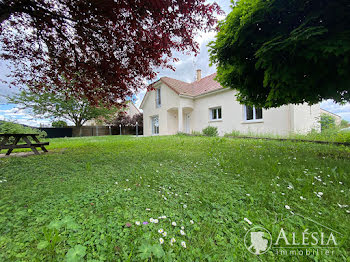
{"x": 58, "y": 106}
{"x": 344, "y": 123}
{"x": 125, "y": 120}
{"x": 59, "y": 123}
{"x": 285, "y": 51}
{"x": 106, "y": 49}
{"x": 327, "y": 122}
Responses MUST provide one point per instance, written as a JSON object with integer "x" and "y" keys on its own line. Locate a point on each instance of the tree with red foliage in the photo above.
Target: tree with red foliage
{"x": 106, "y": 49}
{"x": 125, "y": 120}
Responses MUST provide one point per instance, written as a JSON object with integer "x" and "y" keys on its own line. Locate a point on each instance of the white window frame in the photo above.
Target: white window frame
{"x": 155, "y": 129}
{"x": 158, "y": 97}
{"x": 254, "y": 115}
{"x": 217, "y": 113}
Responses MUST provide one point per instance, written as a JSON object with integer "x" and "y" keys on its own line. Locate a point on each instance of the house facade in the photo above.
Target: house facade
{"x": 176, "y": 106}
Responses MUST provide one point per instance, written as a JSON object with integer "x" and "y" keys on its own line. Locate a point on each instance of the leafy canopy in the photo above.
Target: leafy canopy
{"x": 106, "y": 48}
{"x": 59, "y": 106}
{"x": 276, "y": 52}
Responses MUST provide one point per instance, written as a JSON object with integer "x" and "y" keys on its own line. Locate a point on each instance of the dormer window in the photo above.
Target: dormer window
{"x": 158, "y": 98}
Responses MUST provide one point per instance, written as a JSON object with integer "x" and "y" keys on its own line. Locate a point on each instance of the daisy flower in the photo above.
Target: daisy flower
{"x": 172, "y": 241}
{"x": 174, "y": 224}
{"x": 161, "y": 241}
{"x": 164, "y": 233}
{"x": 192, "y": 222}
{"x": 287, "y": 207}
{"x": 137, "y": 223}
{"x": 160, "y": 231}
{"x": 182, "y": 232}
{"x": 183, "y": 243}
{"x": 248, "y": 221}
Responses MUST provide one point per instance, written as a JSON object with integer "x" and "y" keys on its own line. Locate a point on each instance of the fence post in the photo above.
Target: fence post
{"x": 120, "y": 129}
{"x": 137, "y": 129}
{"x": 110, "y": 130}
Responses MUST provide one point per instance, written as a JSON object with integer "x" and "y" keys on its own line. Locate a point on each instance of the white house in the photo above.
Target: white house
{"x": 176, "y": 106}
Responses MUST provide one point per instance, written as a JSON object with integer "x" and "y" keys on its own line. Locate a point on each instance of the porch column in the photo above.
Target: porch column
{"x": 180, "y": 119}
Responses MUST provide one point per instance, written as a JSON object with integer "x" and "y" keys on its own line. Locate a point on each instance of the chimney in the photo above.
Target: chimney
{"x": 199, "y": 74}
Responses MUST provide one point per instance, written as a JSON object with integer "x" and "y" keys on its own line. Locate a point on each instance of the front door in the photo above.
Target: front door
{"x": 187, "y": 123}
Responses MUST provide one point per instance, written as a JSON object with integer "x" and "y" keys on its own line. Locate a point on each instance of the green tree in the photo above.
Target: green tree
{"x": 59, "y": 123}
{"x": 58, "y": 106}
{"x": 344, "y": 123}
{"x": 285, "y": 51}
{"x": 327, "y": 122}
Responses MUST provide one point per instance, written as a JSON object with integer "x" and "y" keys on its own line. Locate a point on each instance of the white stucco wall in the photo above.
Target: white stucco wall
{"x": 274, "y": 121}
{"x": 306, "y": 118}
{"x": 169, "y": 102}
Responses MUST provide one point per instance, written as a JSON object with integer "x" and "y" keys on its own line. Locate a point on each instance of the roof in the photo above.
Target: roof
{"x": 326, "y": 111}
{"x": 205, "y": 85}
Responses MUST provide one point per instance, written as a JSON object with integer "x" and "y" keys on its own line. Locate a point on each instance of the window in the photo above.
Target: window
{"x": 158, "y": 98}
{"x": 155, "y": 125}
{"x": 215, "y": 113}
{"x": 253, "y": 113}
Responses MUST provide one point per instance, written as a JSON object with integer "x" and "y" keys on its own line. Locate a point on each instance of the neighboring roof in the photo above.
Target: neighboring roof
{"x": 326, "y": 111}
{"x": 205, "y": 85}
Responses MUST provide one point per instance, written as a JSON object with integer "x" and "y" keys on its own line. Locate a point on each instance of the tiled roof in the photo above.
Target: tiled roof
{"x": 205, "y": 85}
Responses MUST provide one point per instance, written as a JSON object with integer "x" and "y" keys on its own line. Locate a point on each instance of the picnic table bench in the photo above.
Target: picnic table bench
{"x": 7, "y": 144}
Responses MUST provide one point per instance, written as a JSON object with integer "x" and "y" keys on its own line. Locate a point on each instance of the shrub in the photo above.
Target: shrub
{"x": 327, "y": 122}
{"x": 59, "y": 123}
{"x": 13, "y": 128}
{"x": 210, "y": 131}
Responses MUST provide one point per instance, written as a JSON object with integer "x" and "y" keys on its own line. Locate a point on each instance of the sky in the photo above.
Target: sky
{"x": 185, "y": 70}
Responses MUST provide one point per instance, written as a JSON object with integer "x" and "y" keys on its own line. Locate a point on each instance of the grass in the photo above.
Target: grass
{"x": 329, "y": 135}
{"x": 82, "y": 200}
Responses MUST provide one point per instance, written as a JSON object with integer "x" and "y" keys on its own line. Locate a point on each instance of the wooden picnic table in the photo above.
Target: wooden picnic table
{"x": 7, "y": 144}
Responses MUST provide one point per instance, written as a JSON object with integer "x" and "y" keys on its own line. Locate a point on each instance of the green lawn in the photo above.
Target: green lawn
{"x": 84, "y": 198}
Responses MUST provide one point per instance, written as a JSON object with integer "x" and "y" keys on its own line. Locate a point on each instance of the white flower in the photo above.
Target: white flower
{"x": 116, "y": 183}
{"x": 183, "y": 244}
{"x": 165, "y": 233}
{"x": 160, "y": 231}
{"x": 302, "y": 198}
{"x": 192, "y": 222}
{"x": 340, "y": 182}
{"x": 127, "y": 180}
{"x": 151, "y": 220}
{"x": 148, "y": 209}
{"x": 248, "y": 221}
{"x": 148, "y": 185}
{"x": 320, "y": 193}
{"x": 277, "y": 184}
{"x": 182, "y": 232}
{"x": 137, "y": 223}
{"x": 172, "y": 241}
{"x": 183, "y": 228}
{"x": 185, "y": 206}
{"x": 287, "y": 207}
{"x": 155, "y": 221}
{"x": 161, "y": 241}
{"x": 247, "y": 194}
{"x": 174, "y": 224}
